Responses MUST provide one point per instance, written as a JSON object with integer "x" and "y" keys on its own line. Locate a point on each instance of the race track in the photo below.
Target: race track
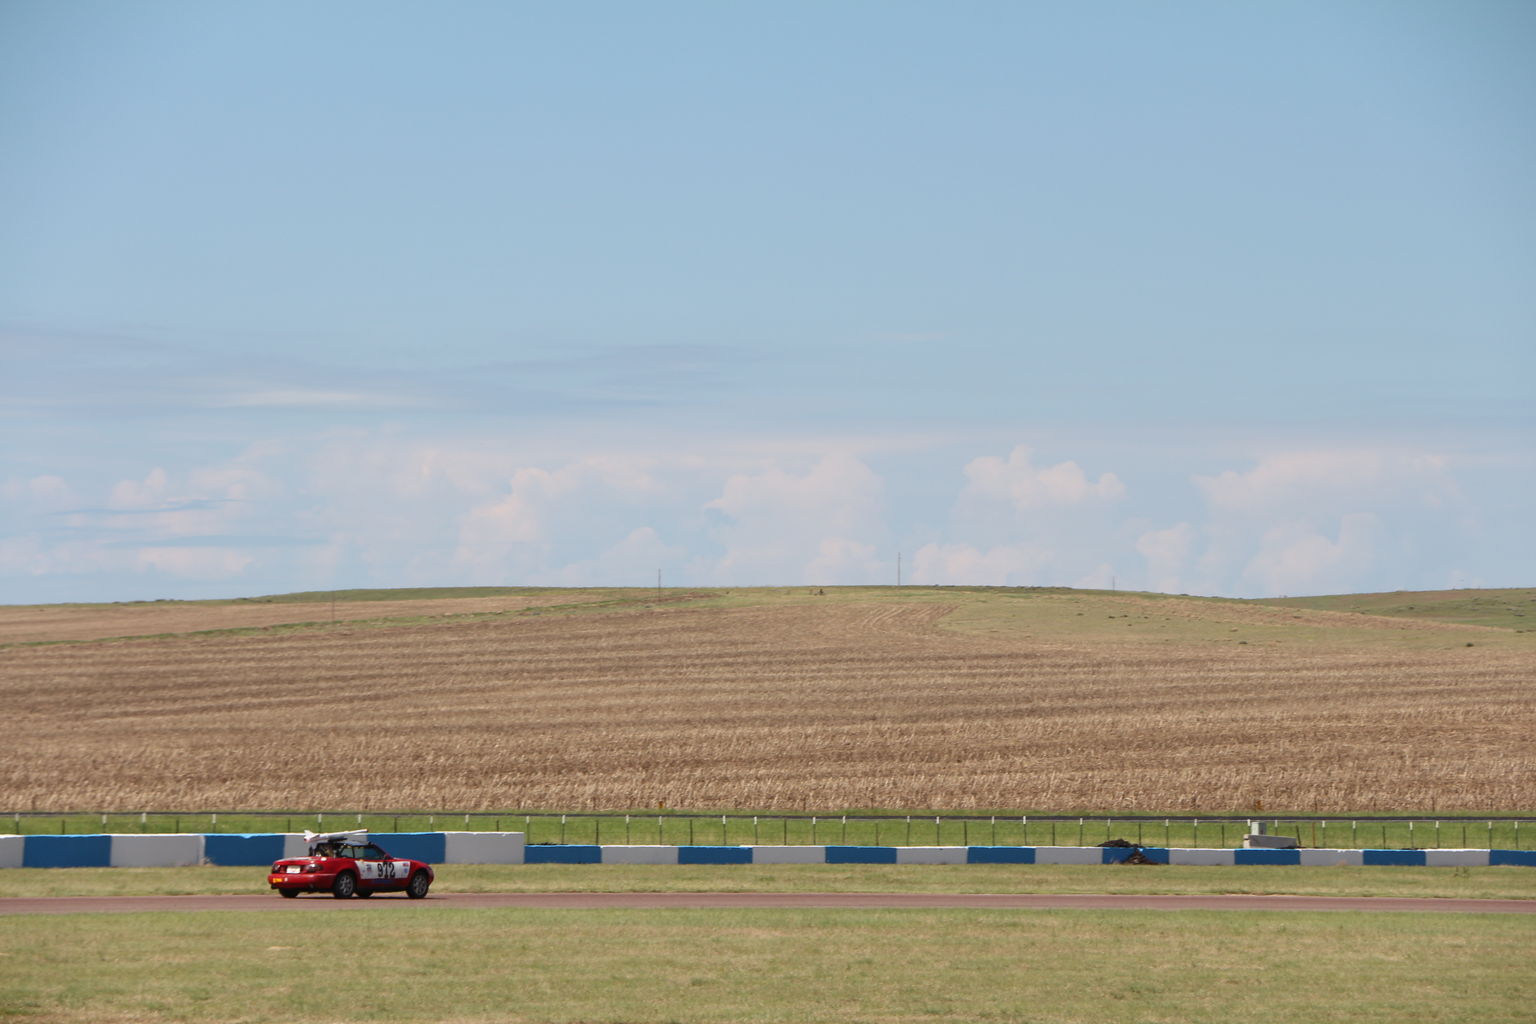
{"x": 674, "y": 900}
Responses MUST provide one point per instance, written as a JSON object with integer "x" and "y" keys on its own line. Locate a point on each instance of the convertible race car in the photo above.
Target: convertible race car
{"x": 346, "y": 864}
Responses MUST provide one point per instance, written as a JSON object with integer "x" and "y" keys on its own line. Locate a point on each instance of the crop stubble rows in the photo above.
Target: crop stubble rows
{"x": 798, "y": 707}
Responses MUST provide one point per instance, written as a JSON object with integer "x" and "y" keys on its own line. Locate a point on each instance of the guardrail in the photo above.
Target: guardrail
{"x": 685, "y": 829}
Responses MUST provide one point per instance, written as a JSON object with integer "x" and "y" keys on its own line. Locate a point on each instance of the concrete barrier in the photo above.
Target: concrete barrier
{"x": 861, "y": 854}
{"x": 1200, "y": 857}
{"x": 562, "y": 854}
{"x": 714, "y": 855}
{"x": 259, "y": 850}
{"x": 1385, "y": 858}
{"x": 1069, "y": 855}
{"x": 13, "y": 851}
{"x": 428, "y": 846}
{"x": 933, "y": 854}
{"x": 1000, "y": 855}
{"x": 1281, "y": 858}
{"x": 482, "y": 848}
{"x": 1456, "y": 858}
{"x": 1332, "y": 858}
{"x": 788, "y": 854}
{"x": 243, "y": 850}
{"x": 1512, "y": 858}
{"x": 68, "y": 852}
{"x": 156, "y": 851}
{"x": 640, "y": 854}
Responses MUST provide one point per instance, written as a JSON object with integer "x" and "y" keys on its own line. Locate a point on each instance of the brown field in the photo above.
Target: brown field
{"x": 33, "y": 623}
{"x": 863, "y": 698}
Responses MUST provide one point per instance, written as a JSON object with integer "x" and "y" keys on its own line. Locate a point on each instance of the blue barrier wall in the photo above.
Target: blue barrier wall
{"x": 714, "y": 855}
{"x": 260, "y": 850}
{"x": 563, "y": 855}
{"x": 431, "y": 847}
{"x": 1283, "y": 857}
{"x": 1400, "y": 858}
{"x": 1000, "y": 855}
{"x": 242, "y": 850}
{"x": 1120, "y": 854}
{"x": 1512, "y": 858}
{"x": 67, "y": 852}
{"x": 861, "y": 855}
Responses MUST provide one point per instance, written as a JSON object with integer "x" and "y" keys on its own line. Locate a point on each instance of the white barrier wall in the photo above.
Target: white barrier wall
{"x": 13, "y": 851}
{"x": 483, "y": 847}
{"x": 152, "y": 850}
{"x": 1214, "y": 858}
{"x": 1069, "y": 855}
{"x": 932, "y": 854}
{"x": 1456, "y": 858}
{"x": 639, "y": 855}
{"x": 788, "y": 854}
{"x": 1340, "y": 858}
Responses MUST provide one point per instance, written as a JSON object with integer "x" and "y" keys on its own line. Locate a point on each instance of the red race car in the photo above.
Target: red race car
{"x": 346, "y": 864}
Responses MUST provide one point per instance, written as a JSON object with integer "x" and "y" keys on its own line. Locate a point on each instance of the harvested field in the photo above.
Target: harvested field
{"x": 33, "y": 623}
{"x": 784, "y": 700}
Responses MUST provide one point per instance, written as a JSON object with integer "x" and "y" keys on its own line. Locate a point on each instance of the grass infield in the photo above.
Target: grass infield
{"x": 1462, "y": 883}
{"x": 437, "y": 964}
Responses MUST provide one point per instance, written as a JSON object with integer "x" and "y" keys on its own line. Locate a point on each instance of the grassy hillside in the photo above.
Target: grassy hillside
{"x": 1508, "y": 609}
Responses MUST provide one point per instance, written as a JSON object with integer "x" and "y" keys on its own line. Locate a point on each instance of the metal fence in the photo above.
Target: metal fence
{"x": 679, "y": 829}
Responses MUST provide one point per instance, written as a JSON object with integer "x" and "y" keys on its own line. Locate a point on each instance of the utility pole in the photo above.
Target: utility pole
{"x": 658, "y": 584}
{"x": 898, "y": 570}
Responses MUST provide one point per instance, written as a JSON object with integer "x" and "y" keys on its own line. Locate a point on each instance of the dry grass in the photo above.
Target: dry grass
{"x": 33, "y": 623}
{"x": 780, "y": 700}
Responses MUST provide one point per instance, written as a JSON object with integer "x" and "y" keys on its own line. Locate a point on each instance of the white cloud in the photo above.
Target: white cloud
{"x": 1166, "y": 553}
{"x": 140, "y": 494}
{"x": 813, "y": 527}
{"x": 1293, "y": 559}
{"x": 1026, "y": 487}
{"x": 212, "y": 563}
{"x": 1302, "y": 479}
{"x": 962, "y": 564}
{"x": 518, "y": 531}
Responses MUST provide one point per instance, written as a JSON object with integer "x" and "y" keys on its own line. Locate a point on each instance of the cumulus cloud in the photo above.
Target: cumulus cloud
{"x": 811, "y": 527}
{"x": 1026, "y": 487}
{"x": 1321, "y": 521}
{"x": 963, "y": 564}
{"x": 1292, "y": 559}
{"x": 1166, "y": 553}
{"x": 1303, "y": 479}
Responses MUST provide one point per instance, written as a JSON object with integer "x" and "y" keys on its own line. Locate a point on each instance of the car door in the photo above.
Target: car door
{"x": 377, "y": 869}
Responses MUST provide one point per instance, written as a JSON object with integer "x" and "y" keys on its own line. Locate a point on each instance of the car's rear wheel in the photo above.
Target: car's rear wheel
{"x": 288, "y": 894}
{"x": 345, "y": 885}
{"x": 418, "y": 885}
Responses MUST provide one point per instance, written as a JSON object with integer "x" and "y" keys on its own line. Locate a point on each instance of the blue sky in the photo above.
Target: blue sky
{"x": 1198, "y": 297}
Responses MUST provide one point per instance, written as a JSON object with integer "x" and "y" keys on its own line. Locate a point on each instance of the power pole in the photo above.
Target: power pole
{"x": 658, "y": 584}
{"x": 898, "y": 570}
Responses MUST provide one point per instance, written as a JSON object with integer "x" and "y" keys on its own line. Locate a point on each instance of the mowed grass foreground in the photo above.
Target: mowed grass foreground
{"x": 777, "y": 700}
{"x": 1454, "y": 883}
{"x": 420, "y": 963}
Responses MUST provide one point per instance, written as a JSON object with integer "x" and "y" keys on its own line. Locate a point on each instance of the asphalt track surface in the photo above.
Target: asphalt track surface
{"x": 754, "y": 900}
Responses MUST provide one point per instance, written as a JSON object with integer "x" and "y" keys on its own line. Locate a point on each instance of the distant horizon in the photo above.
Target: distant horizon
{"x": 785, "y": 586}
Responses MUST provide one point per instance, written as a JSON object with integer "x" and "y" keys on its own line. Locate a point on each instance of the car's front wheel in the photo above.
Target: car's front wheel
{"x": 287, "y": 894}
{"x": 418, "y": 885}
{"x": 345, "y": 885}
